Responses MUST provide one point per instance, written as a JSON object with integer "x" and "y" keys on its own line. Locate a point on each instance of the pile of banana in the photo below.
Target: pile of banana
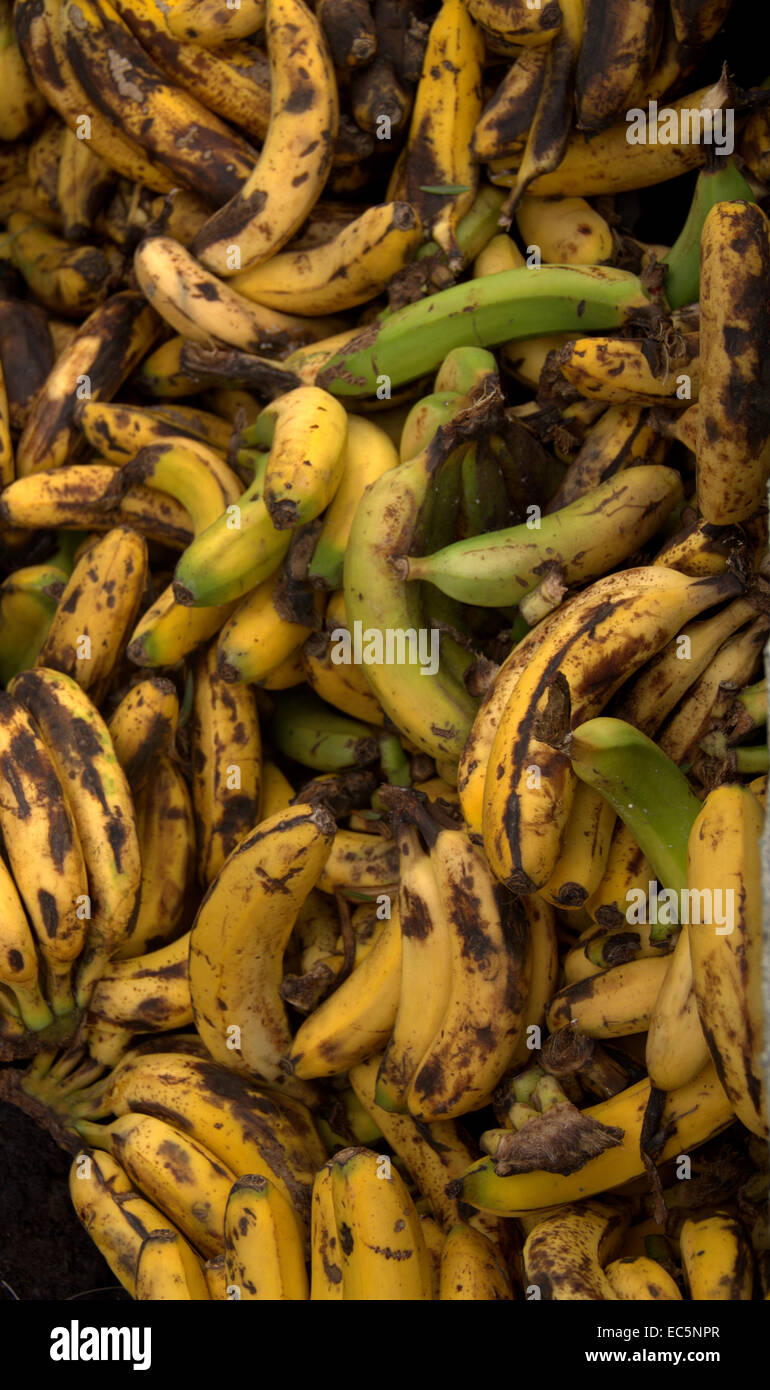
{"x": 383, "y": 598}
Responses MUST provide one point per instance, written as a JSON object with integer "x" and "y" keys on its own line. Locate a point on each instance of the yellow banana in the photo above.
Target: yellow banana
{"x": 304, "y": 113}
{"x": 564, "y": 1254}
{"x": 617, "y": 371}
{"x": 710, "y": 698}
{"x": 226, "y": 752}
{"x": 368, "y": 453}
{"x": 83, "y": 182}
{"x": 723, "y": 868}
{"x": 98, "y": 793}
{"x": 23, "y": 105}
{"x": 382, "y": 1248}
{"x": 622, "y": 437}
{"x": 117, "y": 1219}
{"x": 305, "y": 431}
{"x": 166, "y": 830}
{"x": 264, "y": 1254}
{"x": 168, "y": 1269}
{"x": 732, "y": 458}
{"x": 261, "y": 634}
{"x": 676, "y": 1050}
{"x": 359, "y": 863}
{"x": 638, "y": 1278}
{"x": 471, "y": 1268}
{"x": 146, "y": 994}
{"x": 42, "y": 843}
{"x": 716, "y": 1259}
{"x": 235, "y": 976}
{"x": 210, "y": 25}
{"x": 584, "y": 851}
{"x": 97, "y": 611}
{"x": 567, "y": 231}
{"x": 143, "y": 727}
{"x": 19, "y": 968}
{"x": 325, "y": 1253}
{"x": 351, "y": 268}
{"x": 356, "y": 1020}
{"x": 69, "y": 280}
{"x": 612, "y": 1003}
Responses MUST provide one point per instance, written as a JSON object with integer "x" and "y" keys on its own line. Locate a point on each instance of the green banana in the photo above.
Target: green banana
{"x": 486, "y": 506}
{"x": 717, "y": 183}
{"x": 398, "y": 347}
{"x": 312, "y": 733}
{"x": 648, "y": 791}
{"x": 585, "y": 539}
{"x": 463, "y": 368}
{"x": 474, "y": 230}
{"x": 238, "y": 551}
{"x": 425, "y": 417}
{"x": 29, "y": 599}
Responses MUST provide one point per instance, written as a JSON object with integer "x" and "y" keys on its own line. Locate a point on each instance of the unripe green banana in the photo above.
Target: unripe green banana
{"x": 238, "y": 551}
{"x": 648, "y": 791}
{"x": 521, "y": 303}
{"x": 314, "y": 734}
{"x": 715, "y": 184}
{"x": 463, "y": 368}
{"x": 585, "y": 539}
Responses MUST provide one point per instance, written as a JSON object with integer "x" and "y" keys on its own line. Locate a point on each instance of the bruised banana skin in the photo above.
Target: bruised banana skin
{"x": 723, "y": 854}
{"x": 563, "y": 1255}
{"x": 166, "y": 829}
{"x": 620, "y": 46}
{"x": 97, "y": 611}
{"x": 43, "y": 848}
{"x": 471, "y": 1270}
{"x": 143, "y": 727}
{"x": 383, "y": 1251}
{"x": 613, "y": 1003}
{"x": 638, "y": 1278}
{"x": 226, "y": 754}
{"x": 304, "y": 116}
{"x": 127, "y": 87}
{"x": 99, "y": 795}
{"x": 235, "y": 979}
{"x": 19, "y": 969}
{"x": 104, "y": 351}
{"x": 524, "y": 822}
{"x": 732, "y": 458}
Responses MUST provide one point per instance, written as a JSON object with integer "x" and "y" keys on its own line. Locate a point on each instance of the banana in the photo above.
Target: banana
{"x": 28, "y": 601}
{"x": 99, "y": 796}
{"x": 382, "y": 1249}
{"x": 414, "y": 340}
{"x": 210, "y": 25}
{"x": 23, "y": 105}
{"x": 338, "y": 684}
{"x": 235, "y": 979}
{"x": 175, "y": 1172}
{"x": 549, "y": 129}
{"x": 168, "y": 631}
{"x": 697, "y": 21}
{"x": 621, "y": 437}
{"x": 78, "y": 496}
{"x": 104, "y": 351}
{"x": 7, "y": 466}
{"x": 27, "y": 355}
{"x": 613, "y": 1003}
{"x": 165, "y": 827}
{"x": 68, "y": 280}
{"x": 676, "y": 1049}
{"x": 733, "y": 441}
{"x": 368, "y": 453}
{"x": 718, "y": 182}
{"x": 174, "y": 129}
{"x": 305, "y": 431}
{"x": 439, "y": 175}
{"x": 585, "y": 539}
{"x": 502, "y": 127}
{"x": 584, "y": 851}
{"x": 43, "y": 846}
{"x": 723, "y": 858}
{"x": 318, "y": 737}
{"x": 651, "y": 696}
{"x": 356, "y": 1020}
{"x": 709, "y": 699}
{"x": 716, "y": 1258}
{"x": 146, "y": 994}
{"x": 117, "y": 1219}
{"x": 568, "y": 231}
{"x": 168, "y": 1269}
{"x": 471, "y": 1269}
{"x": 619, "y": 50}
{"x": 250, "y": 1129}
{"x": 486, "y": 1004}
{"x": 264, "y": 1254}
{"x": 143, "y": 727}
{"x": 83, "y": 184}
{"x": 304, "y": 115}
{"x": 425, "y": 418}
{"x": 233, "y": 83}
{"x": 638, "y": 1278}
{"x": 426, "y": 954}
{"x": 276, "y": 791}
{"x": 37, "y": 28}
{"x": 325, "y": 1255}
{"x": 360, "y": 864}
{"x": 525, "y": 812}
{"x": 19, "y": 966}
{"x": 97, "y": 610}
{"x": 216, "y": 1282}
{"x": 691, "y": 1115}
{"x": 617, "y": 370}
{"x": 204, "y": 308}
{"x": 351, "y": 268}
{"x": 233, "y": 554}
{"x": 564, "y": 1254}
{"x": 226, "y": 754}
